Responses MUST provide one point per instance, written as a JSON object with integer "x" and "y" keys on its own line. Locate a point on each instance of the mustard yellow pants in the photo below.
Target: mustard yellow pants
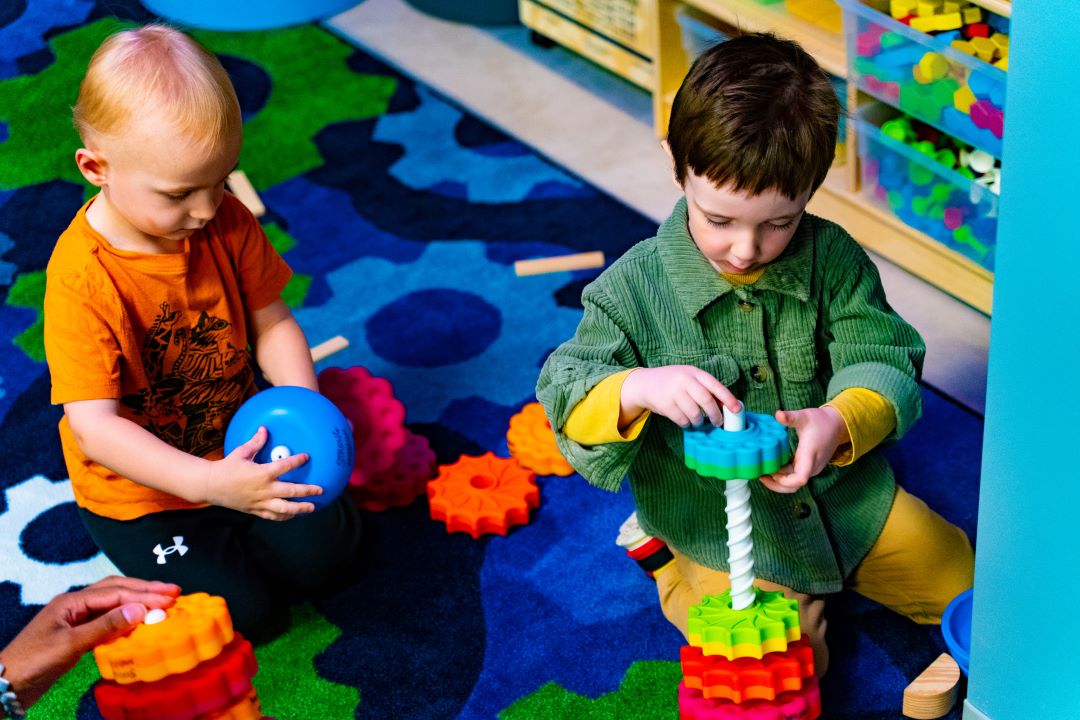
{"x": 917, "y": 565}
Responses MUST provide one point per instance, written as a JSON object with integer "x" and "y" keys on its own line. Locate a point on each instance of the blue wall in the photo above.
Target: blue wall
{"x": 1025, "y": 655}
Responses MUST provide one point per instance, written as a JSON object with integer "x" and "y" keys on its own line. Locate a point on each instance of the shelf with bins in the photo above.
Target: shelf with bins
{"x": 615, "y": 34}
{"x": 958, "y": 267}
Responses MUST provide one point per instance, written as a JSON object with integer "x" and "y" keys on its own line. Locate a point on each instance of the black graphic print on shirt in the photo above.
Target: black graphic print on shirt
{"x": 198, "y": 377}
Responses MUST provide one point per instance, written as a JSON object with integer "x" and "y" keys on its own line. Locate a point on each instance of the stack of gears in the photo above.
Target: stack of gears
{"x": 489, "y": 494}
{"x": 184, "y": 663}
{"x": 393, "y": 465}
{"x": 747, "y": 658}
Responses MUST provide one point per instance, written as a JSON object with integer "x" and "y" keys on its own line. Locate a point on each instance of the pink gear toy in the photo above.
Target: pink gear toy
{"x": 485, "y": 494}
{"x": 377, "y": 417}
{"x": 414, "y": 465}
{"x": 803, "y": 704}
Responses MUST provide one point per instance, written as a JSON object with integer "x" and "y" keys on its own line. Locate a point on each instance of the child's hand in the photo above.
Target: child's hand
{"x": 684, "y": 394}
{"x": 240, "y": 483}
{"x": 821, "y": 431}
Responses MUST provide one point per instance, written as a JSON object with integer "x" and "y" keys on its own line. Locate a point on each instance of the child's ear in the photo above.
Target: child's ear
{"x": 671, "y": 158}
{"x": 92, "y": 166}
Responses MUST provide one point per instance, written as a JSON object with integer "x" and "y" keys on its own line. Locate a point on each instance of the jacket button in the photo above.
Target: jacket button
{"x": 746, "y": 307}
{"x": 759, "y": 373}
{"x": 802, "y": 511}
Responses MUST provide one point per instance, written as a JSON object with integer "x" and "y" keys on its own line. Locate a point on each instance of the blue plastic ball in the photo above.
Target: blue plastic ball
{"x": 298, "y": 420}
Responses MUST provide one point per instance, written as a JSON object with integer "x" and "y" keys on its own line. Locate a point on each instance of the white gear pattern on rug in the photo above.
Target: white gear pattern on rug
{"x": 427, "y": 135}
{"x": 41, "y": 581}
{"x": 532, "y": 324}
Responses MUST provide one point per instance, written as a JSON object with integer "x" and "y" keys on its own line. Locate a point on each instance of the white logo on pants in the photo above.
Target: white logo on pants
{"x": 178, "y": 546}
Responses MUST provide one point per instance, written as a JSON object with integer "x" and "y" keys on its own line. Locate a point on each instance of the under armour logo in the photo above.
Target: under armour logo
{"x": 177, "y": 546}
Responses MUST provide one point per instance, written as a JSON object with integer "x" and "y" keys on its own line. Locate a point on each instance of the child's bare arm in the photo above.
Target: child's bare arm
{"x": 281, "y": 348}
{"x": 235, "y": 482}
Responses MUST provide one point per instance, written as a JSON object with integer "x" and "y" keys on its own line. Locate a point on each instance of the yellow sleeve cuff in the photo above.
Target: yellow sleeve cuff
{"x": 869, "y": 418}
{"x": 595, "y": 420}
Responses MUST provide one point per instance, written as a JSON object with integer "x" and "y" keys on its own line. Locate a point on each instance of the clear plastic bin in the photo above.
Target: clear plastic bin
{"x": 925, "y": 194}
{"x": 962, "y": 95}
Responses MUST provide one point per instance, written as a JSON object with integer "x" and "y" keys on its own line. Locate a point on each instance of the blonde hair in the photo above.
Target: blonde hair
{"x": 157, "y": 69}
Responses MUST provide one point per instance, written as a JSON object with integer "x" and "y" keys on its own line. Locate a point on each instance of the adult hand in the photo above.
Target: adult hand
{"x": 820, "y": 431}
{"x": 240, "y": 483}
{"x": 73, "y": 623}
{"x": 684, "y": 394}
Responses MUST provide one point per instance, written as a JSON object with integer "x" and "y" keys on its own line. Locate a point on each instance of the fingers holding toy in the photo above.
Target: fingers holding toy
{"x": 294, "y": 444}
{"x": 684, "y": 394}
{"x": 820, "y": 431}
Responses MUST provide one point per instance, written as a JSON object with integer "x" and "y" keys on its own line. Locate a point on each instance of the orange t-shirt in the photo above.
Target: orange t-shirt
{"x": 166, "y": 335}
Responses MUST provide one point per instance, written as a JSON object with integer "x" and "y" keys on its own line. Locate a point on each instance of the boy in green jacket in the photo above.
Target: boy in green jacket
{"x": 743, "y": 294}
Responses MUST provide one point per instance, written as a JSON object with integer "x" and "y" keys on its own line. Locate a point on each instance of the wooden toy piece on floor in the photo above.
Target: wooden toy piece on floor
{"x": 328, "y": 347}
{"x": 485, "y": 494}
{"x": 244, "y": 191}
{"x": 532, "y": 442}
{"x": 562, "y": 263}
{"x": 933, "y": 693}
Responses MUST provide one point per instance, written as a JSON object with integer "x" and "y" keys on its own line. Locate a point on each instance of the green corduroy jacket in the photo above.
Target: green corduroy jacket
{"x": 816, "y": 323}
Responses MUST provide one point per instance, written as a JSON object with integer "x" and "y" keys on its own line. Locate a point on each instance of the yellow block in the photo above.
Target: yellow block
{"x": 924, "y": 24}
{"x": 925, "y": 8}
{"x": 984, "y": 48}
{"x": 934, "y": 66}
{"x": 949, "y": 21}
{"x": 1001, "y": 40}
{"x": 963, "y": 99}
{"x": 971, "y": 15}
{"x": 902, "y": 8}
{"x": 963, "y": 46}
{"x": 1003, "y": 63}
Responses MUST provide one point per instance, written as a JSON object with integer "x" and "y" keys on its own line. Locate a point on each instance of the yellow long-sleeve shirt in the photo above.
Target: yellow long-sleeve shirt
{"x": 869, "y": 417}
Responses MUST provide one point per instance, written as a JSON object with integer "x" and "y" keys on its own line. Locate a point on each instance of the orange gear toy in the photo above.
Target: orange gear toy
{"x": 484, "y": 494}
{"x": 195, "y": 628}
{"x": 532, "y": 442}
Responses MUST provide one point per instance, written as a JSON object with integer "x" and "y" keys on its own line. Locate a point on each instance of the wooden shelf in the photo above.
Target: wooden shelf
{"x": 999, "y": 7}
{"x": 827, "y": 47}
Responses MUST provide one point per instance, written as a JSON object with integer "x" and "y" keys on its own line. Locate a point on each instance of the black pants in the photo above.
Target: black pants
{"x": 258, "y": 566}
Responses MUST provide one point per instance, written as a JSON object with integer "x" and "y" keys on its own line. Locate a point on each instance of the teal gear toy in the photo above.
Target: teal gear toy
{"x": 761, "y": 448}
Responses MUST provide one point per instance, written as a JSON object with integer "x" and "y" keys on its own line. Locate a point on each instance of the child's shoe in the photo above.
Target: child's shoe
{"x": 647, "y": 551}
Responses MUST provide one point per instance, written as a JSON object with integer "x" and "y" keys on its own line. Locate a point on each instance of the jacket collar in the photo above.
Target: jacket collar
{"x": 698, "y": 284}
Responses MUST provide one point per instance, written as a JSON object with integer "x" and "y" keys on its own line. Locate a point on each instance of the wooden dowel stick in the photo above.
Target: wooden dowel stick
{"x": 562, "y": 263}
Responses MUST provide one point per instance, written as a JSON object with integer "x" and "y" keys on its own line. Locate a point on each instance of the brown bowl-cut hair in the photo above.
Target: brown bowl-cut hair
{"x": 755, "y": 113}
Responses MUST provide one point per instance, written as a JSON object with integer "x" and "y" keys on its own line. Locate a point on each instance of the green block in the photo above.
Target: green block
{"x": 891, "y": 40}
{"x": 896, "y": 200}
{"x": 920, "y": 175}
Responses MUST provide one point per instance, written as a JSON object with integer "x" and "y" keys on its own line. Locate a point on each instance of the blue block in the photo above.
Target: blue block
{"x": 980, "y": 85}
{"x": 900, "y": 56}
{"x": 997, "y": 94}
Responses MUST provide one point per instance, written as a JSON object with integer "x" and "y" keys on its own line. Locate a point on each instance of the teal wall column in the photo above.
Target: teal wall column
{"x": 1025, "y": 648}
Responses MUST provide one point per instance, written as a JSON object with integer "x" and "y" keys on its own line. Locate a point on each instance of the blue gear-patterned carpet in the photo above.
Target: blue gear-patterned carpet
{"x": 401, "y": 215}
